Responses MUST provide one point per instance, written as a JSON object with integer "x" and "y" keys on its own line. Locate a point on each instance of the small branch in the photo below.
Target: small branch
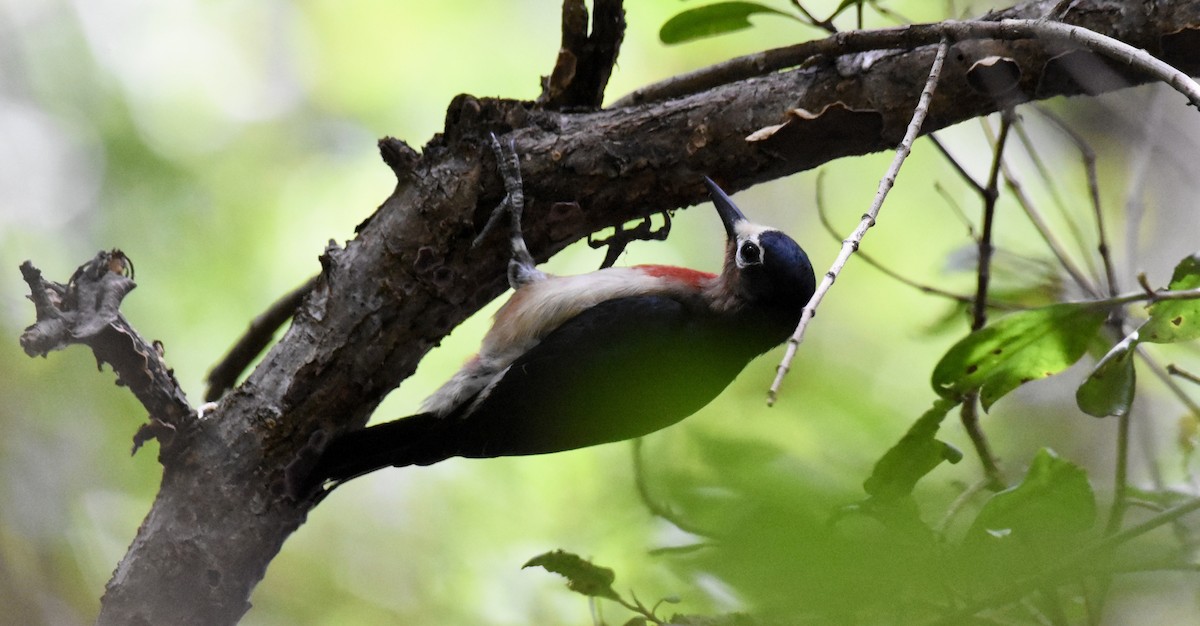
{"x": 969, "y": 415}
{"x": 850, "y": 245}
{"x": 823, "y": 215}
{"x": 585, "y": 61}
{"x": 1064, "y": 213}
{"x": 962, "y": 171}
{"x": 86, "y": 311}
{"x": 1039, "y": 223}
{"x": 990, "y": 195}
{"x": 955, "y": 208}
{"x": 1164, "y": 376}
{"x": 911, "y": 37}
{"x": 1175, "y": 370}
{"x": 257, "y": 337}
{"x": 825, "y": 24}
{"x": 1088, "y": 155}
{"x": 1120, "y": 503}
{"x": 1150, "y": 297}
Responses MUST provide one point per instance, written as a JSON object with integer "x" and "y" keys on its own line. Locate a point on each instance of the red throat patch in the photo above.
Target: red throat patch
{"x": 693, "y": 278}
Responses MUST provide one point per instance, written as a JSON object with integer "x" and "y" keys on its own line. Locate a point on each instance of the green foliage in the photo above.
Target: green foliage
{"x": 712, "y": 19}
{"x": 582, "y": 576}
{"x": 1176, "y": 320}
{"x": 792, "y": 549}
{"x": 593, "y": 581}
{"x": 1050, "y": 506}
{"x": 1109, "y": 388}
{"x": 1016, "y": 349}
{"x": 914, "y": 456}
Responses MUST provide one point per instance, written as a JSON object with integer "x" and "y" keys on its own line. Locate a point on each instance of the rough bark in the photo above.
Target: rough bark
{"x": 411, "y": 275}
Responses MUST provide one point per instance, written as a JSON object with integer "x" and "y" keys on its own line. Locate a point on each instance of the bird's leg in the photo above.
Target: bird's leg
{"x": 624, "y": 236}
{"x": 522, "y": 269}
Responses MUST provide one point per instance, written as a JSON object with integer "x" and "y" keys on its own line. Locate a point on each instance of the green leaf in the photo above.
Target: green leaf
{"x": 915, "y": 455}
{"x": 712, "y": 19}
{"x": 582, "y": 576}
{"x": 1016, "y": 349}
{"x": 1176, "y": 320}
{"x": 1053, "y": 502}
{"x": 1108, "y": 390}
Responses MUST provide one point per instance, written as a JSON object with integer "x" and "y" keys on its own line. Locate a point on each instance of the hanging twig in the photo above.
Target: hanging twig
{"x": 850, "y": 245}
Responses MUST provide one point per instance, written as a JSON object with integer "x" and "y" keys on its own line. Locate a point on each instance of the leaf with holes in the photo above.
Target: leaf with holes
{"x": 1176, "y": 320}
{"x": 582, "y": 576}
{"x": 915, "y": 455}
{"x": 1108, "y": 390}
{"x": 1016, "y": 349}
{"x": 712, "y": 19}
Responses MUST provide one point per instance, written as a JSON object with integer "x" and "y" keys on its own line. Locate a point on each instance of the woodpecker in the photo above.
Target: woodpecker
{"x": 576, "y": 361}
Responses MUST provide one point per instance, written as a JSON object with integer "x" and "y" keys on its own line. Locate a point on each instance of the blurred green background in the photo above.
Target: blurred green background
{"x": 221, "y": 144}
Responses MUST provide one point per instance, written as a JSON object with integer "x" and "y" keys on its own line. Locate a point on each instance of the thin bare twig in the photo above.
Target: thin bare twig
{"x": 955, "y": 208}
{"x": 1164, "y": 376}
{"x": 850, "y": 245}
{"x": 962, "y": 171}
{"x": 990, "y": 194}
{"x": 1039, "y": 223}
{"x": 825, "y": 24}
{"x": 1088, "y": 155}
{"x": 1064, "y": 213}
{"x": 823, "y": 215}
{"x": 1175, "y": 370}
{"x": 911, "y": 37}
{"x": 969, "y": 413}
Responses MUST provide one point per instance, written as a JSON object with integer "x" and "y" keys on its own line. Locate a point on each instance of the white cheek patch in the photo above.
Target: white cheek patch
{"x": 749, "y": 232}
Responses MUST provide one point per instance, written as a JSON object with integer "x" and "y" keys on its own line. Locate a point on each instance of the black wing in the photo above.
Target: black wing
{"x": 622, "y": 369}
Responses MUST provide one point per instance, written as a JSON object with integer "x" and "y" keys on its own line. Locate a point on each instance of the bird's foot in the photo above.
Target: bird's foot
{"x": 522, "y": 269}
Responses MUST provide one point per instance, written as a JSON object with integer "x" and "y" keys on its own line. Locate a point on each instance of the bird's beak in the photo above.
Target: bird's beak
{"x": 730, "y": 214}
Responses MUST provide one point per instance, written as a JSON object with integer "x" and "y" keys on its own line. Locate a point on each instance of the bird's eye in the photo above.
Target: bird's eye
{"x": 750, "y": 253}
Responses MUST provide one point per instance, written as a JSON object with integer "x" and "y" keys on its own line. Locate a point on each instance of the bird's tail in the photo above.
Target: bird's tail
{"x": 415, "y": 440}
